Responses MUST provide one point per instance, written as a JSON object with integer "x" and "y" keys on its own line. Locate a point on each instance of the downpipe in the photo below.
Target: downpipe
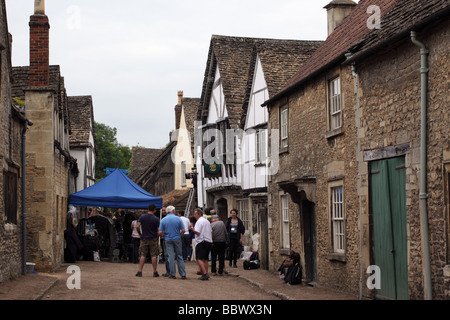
{"x": 423, "y": 196}
{"x": 26, "y": 123}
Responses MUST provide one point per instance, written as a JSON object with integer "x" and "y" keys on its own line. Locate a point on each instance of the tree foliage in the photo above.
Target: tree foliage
{"x": 110, "y": 153}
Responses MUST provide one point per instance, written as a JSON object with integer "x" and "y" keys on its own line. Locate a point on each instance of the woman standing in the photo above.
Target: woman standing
{"x": 235, "y": 228}
{"x": 135, "y": 238}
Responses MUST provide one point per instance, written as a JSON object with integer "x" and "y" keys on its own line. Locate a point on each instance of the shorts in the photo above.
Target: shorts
{"x": 149, "y": 246}
{"x": 202, "y": 250}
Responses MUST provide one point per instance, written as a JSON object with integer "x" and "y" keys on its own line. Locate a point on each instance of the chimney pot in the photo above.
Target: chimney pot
{"x": 39, "y": 6}
{"x": 337, "y": 10}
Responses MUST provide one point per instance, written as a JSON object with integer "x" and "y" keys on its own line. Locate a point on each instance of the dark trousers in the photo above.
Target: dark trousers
{"x": 135, "y": 243}
{"x": 186, "y": 242}
{"x": 234, "y": 250}
{"x": 218, "y": 251}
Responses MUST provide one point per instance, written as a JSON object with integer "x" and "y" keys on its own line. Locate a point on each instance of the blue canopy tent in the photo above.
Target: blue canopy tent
{"x": 115, "y": 191}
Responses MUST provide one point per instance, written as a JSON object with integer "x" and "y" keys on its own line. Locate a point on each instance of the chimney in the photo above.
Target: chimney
{"x": 337, "y": 10}
{"x": 178, "y": 110}
{"x": 39, "y": 46}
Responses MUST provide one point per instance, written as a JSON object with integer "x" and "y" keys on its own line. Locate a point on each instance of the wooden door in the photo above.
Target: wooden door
{"x": 388, "y": 204}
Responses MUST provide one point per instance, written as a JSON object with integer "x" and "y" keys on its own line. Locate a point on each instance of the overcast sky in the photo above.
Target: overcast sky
{"x": 133, "y": 56}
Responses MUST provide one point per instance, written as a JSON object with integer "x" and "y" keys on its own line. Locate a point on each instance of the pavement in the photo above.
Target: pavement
{"x": 39, "y": 286}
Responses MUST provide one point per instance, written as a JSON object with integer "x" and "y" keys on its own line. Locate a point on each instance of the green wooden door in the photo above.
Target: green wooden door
{"x": 388, "y": 202}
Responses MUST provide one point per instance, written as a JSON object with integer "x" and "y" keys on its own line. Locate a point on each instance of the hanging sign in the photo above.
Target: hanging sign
{"x": 212, "y": 167}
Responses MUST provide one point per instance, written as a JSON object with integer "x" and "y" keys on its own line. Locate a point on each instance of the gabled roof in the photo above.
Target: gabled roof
{"x": 190, "y": 106}
{"x": 349, "y": 33}
{"x": 141, "y": 159}
{"x": 20, "y": 82}
{"x": 281, "y": 59}
{"x": 81, "y": 114}
{"x": 152, "y": 171}
{"x": 235, "y": 57}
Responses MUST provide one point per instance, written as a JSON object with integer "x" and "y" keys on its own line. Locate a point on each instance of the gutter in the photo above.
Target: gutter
{"x": 423, "y": 196}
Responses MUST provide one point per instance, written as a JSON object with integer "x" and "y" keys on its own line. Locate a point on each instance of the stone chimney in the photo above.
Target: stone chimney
{"x": 178, "y": 110}
{"x": 39, "y": 46}
{"x": 337, "y": 10}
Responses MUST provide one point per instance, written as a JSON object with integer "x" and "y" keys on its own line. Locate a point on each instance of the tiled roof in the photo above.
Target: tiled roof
{"x": 81, "y": 120}
{"x": 350, "y": 32}
{"x": 141, "y": 159}
{"x": 235, "y": 57}
{"x": 190, "y": 106}
{"x": 20, "y": 81}
{"x": 407, "y": 15}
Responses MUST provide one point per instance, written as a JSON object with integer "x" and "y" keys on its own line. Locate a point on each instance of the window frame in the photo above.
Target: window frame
{"x": 337, "y": 218}
{"x": 335, "y": 103}
{"x": 284, "y": 222}
{"x": 243, "y": 209}
{"x": 10, "y": 197}
{"x": 260, "y": 146}
{"x": 284, "y": 128}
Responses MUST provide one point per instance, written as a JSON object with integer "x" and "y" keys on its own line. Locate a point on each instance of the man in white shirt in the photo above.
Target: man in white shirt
{"x": 186, "y": 237}
{"x": 203, "y": 238}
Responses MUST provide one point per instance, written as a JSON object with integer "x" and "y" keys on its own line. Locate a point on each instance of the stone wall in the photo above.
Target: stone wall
{"x": 47, "y": 184}
{"x": 390, "y": 116}
{"x": 10, "y": 161}
{"x": 316, "y": 159}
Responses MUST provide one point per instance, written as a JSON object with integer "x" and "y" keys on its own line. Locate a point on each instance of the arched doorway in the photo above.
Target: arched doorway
{"x": 222, "y": 209}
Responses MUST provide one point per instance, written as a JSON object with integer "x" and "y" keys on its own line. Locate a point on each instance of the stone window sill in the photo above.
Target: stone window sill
{"x": 337, "y": 257}
{"x": 334, "y": 133}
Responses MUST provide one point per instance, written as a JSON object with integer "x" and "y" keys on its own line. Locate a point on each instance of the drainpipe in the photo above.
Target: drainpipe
{"x": 26, "y": 123}
{"x": 358, "y": 148}
{"x": 423, "y": 196}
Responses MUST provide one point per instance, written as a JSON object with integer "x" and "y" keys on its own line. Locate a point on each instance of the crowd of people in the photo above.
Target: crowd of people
{"x": 175, "y": 238}
{"x": 167, "y": 236}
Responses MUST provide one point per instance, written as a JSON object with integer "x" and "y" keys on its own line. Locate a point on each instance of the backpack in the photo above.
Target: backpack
{"x": 294, "y": 274}
{"x": 252, "y": 262}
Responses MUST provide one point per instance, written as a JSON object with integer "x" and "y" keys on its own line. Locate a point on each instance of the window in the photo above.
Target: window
{"x": 183, "y": 173}
{"x": 261, "y": 146}
{"x": 284, "y": 130}
{"x": 337, "y": 219}
{"x": 10, "y": 196}
{"x": 335, "y": 104}
{"x": 285, "y": 241}
{"x": 243, "y": 212}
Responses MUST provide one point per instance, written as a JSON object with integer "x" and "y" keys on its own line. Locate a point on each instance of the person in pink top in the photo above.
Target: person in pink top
{"x": 135, "y": 238}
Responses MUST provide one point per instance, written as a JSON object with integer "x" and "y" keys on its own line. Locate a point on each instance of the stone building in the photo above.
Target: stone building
{"x": 353, "y": 125}
{"x": 162, "y": 171}
{"x": 241, "y": 73}
{"x": 82, "y": 139}
{"x": 50, "y": 168}
{"x": 82, "y": 143}
{"x": 13, "y": 126}
{"x": 404, "y": 145}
